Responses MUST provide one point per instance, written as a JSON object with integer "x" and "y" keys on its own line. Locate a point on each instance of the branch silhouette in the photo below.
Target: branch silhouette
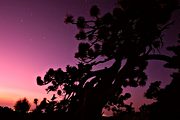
{"x": 131, "y": 34}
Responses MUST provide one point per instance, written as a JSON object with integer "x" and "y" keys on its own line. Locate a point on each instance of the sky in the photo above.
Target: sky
{"x": 34, "y": 38}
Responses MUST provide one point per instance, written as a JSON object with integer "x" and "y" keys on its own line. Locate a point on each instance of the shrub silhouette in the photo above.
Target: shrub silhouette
{"x": 36, "y": 102}
{"x": 22, "y": 105}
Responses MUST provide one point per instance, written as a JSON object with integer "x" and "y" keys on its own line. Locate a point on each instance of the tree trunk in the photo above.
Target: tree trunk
{"x": 95, "y": 98}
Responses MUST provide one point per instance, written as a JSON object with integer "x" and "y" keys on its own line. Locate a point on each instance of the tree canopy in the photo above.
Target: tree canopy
{"x": 167, "y": 99}
{"x": 22, "y": 106}
{"x": 131, "y": 34}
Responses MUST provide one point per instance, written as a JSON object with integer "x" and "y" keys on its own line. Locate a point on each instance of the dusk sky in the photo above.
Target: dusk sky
{"x": 34, "y": 38}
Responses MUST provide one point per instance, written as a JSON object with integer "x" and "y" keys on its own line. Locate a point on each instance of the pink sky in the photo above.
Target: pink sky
{"x": 33, "y": 38}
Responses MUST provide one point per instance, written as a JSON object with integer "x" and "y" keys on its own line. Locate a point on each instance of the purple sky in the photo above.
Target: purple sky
{"x": 34, "y": 38}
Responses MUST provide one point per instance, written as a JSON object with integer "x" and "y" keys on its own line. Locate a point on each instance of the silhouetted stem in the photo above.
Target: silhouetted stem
{"x": 157, "y": 57}
{"x": 103, "y": 61}
{"x": 90, "y": 75}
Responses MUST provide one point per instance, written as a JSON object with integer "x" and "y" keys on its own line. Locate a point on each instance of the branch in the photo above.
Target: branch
{"x": 103, "y": 61}
{"x": 157, "y": 57}
{"x": 89, "y": 75}
{"x": 128, "y": 66}
{"x": 166, "y": 26}
{"x": 114, "y": 68}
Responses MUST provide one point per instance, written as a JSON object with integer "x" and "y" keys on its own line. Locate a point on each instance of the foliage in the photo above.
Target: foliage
{"x": 5, "y": 110}
{"x": 36, "y": 101}
{"x": 153, "y": 91}
{"x": 22, "y": 105}
{"x": 130, "y": 34}
{"x": 167, "y": 98}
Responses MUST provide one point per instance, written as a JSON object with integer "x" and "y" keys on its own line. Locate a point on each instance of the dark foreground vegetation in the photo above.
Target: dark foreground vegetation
{"x": 129, "y": 37}
{"x": 9, "y": 114}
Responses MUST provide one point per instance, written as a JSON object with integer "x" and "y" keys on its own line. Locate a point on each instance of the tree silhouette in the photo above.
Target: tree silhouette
{"x": 22, "y": 105}
{"x": 36, "y": 102}
{"x": 153, "y": 91}
{"x": 127, "y": 37}
{"x": 167, "y": 98}
{"x": 5, "y": 110}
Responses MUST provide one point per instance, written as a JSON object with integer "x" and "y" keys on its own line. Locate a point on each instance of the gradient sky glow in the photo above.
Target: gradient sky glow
{"x": 34, "y": 38}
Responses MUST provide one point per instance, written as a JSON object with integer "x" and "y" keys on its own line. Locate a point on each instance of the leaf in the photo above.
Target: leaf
{"x": 59, "y": 92}
{"x": 39, "y": 81}
{"x": 81, "y": 22}
{"x": 94, "y": 11}
{"x": 69, "y": 19}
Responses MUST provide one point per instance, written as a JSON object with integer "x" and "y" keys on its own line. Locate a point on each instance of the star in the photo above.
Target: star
{"x": 21, "y": 20}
